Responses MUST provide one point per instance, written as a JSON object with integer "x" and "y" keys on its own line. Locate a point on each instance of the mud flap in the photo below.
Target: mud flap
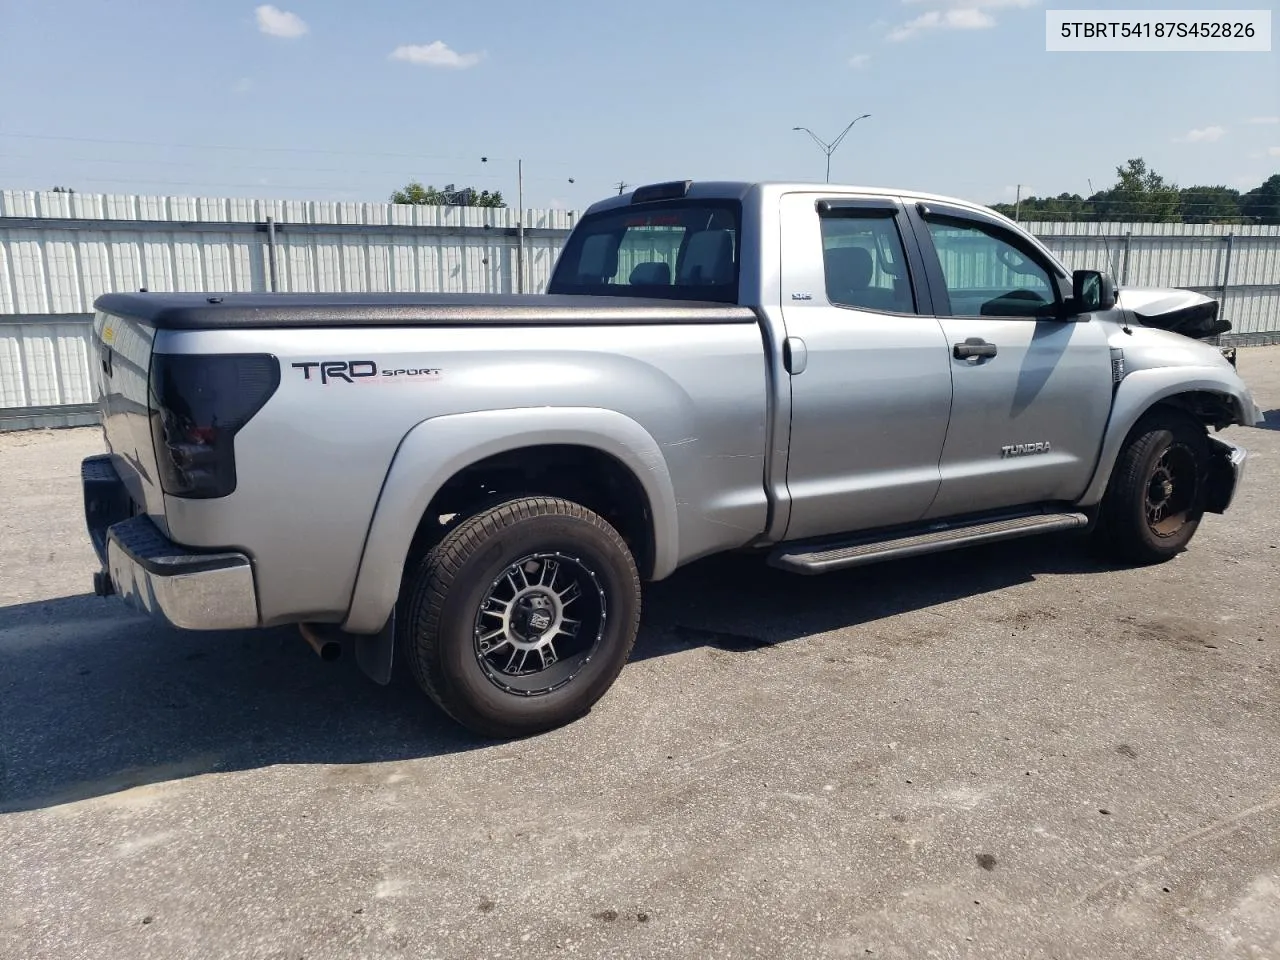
{"x": 375, "y": 653}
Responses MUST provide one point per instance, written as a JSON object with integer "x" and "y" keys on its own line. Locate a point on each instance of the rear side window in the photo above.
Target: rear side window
{"x": 678, "y": 251}
{"x": 865, "y": 264}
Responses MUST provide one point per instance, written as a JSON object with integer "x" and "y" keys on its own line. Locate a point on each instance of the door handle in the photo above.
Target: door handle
{"x": 795, "y": 355}
{"x": 974, "y": 348}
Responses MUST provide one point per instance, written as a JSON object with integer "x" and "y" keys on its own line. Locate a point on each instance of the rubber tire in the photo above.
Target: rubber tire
{"x": 441, "y": 596}
{"x": 1123, "y": 532}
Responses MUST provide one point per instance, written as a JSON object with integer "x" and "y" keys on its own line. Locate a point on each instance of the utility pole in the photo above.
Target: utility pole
{"x": 520, "y": 226}
{"x": 830, "y": 148}
{"x": 519, "y": 222}
{"x": 622, "y": 185}
{"x": 1017, "y": 204}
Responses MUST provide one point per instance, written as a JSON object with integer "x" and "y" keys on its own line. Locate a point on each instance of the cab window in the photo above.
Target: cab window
{"x": 987, "y": 276}
{"x": 682, "y": 250}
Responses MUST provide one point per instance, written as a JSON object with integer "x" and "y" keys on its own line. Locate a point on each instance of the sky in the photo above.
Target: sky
{"x": 339, "y": 100}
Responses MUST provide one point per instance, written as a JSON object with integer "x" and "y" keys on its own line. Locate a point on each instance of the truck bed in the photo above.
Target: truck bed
{"x": 199, "y": 311}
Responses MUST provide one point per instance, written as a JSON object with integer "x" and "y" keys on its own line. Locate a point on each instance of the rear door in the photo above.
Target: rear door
{"x": 1032, "y": 392}
{"x": 870, "y": 375}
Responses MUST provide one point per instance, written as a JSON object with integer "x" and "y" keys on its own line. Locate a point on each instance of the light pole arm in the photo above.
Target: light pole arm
{"x": 846, "y": 130}
{"x": 825, "y": 147}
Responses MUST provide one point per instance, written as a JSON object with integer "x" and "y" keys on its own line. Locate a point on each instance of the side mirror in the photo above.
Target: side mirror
{"x": 1091, "y": 291}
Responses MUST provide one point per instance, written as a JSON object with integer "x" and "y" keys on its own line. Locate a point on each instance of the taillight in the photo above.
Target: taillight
{"x": 198, "y": 403}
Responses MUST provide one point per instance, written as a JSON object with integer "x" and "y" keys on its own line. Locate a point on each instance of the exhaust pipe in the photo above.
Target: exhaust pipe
{"x": 326, "y": 649}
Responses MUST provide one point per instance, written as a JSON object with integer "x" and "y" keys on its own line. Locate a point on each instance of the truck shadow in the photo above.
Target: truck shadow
{"x": 737, "y": 603}
{"x": 1270, "y": 420}
{"x": 95, "y": 699}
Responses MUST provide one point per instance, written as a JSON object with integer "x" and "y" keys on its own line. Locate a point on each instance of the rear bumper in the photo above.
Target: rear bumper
{"x": 1226, "y": 471}
{"x": 192, "y": 591}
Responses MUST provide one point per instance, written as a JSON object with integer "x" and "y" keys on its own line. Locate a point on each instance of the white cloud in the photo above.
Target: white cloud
{"x": 243, "y": 85}
{"x": 1263, "y": 121}
{"x": 1203, "y": 135}
{"x": 954, "y": 15}
{"x": 860, "y": 60}
{"x": 435, "y": 54}
{"x": 962, "y": 18}
{"x": 280, "y": 23}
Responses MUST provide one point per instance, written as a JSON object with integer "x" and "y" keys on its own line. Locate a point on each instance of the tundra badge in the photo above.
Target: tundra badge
{"x": 1023, "y": 449}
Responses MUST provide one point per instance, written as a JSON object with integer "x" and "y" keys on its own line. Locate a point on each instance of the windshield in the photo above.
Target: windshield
{"x": 679, "y": 251}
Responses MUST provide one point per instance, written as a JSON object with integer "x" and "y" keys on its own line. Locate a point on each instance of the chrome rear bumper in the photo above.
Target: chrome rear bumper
{"x": 192, "y": 591}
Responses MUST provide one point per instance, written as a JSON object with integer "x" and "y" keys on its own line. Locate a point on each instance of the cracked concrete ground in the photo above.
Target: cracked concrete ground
{"x": 1006, "y": 752}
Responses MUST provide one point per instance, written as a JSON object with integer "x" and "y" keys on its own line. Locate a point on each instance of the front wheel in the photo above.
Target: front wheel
{"x": 1155, "y": 499}
{"x": 522, "y": 617}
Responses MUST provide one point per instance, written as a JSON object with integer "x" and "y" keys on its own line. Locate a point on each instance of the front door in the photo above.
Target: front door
{"x": 870, "y": 371}
{"x": 1032, "y": 392}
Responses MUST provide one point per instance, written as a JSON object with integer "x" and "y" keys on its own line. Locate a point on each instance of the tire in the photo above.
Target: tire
{"x": 1155, "y": 498}
{"x": 522, "y": 617}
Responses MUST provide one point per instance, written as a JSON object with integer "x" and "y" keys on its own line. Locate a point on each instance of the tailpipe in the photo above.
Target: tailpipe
{"x": 326, "y": 648}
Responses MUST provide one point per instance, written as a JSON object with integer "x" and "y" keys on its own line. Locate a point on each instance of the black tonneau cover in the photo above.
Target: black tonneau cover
{"x": 201, "y": 311}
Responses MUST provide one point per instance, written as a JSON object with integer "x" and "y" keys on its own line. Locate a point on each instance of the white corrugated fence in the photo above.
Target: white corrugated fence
{"x": 59, "y": 251}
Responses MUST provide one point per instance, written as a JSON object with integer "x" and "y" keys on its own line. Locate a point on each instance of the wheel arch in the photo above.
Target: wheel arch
{"x": 1202, "y": 393}
{"x": 438, "y": 458}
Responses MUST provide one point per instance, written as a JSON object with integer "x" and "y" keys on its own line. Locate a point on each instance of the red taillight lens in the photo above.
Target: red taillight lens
{"x": 198, "y": 404}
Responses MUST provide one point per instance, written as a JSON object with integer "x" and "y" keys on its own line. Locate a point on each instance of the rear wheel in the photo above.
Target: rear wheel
{"x": 1156, "y": 495}
{"x": 522, "y": 617}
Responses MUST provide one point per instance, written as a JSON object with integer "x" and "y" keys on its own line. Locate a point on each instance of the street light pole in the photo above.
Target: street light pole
{"x": 830, "y": 148}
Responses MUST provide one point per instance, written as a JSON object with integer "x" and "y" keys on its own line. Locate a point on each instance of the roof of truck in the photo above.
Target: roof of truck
{"x": 739, "y": 190}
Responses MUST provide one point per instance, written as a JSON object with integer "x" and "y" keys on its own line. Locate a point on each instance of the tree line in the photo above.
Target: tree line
{"x": 1141, "y": 194}
{"x": 415, "y": 193}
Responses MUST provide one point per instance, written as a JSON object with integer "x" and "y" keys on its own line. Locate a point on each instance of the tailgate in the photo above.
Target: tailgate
{"x": 120, "y": 370}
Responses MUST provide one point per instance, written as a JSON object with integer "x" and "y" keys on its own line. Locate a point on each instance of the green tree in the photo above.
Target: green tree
{"x": 1063, "y": 207}
{"x": 1139, "y": 194}
{"x": 1209, "y": 204}
{"x": 1262, "y": 203}
{"x": 415, "y": 193}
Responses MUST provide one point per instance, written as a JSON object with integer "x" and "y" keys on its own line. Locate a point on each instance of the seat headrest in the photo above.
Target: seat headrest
{"x": 652, "y": 273}
{"x": 708, "y": 258}
{"x": 848, "y": 268}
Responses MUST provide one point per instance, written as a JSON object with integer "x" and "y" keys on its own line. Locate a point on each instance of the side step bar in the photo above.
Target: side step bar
{"x": 828, "y": 556}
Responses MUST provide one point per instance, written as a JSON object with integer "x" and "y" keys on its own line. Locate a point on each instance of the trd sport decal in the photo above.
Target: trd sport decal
{"x": 362, "y": 371}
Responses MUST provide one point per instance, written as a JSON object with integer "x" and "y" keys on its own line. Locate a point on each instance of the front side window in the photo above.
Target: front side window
{"x": 865, "y": 264}
{"x": 986, "y": 276}
{"x": 681, "y": 250}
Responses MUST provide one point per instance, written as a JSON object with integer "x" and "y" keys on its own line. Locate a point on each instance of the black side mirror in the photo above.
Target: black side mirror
{"x": 1091, "y": 291}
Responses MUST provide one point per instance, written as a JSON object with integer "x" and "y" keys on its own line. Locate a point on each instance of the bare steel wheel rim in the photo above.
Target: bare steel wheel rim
{"x": 539, "y": 623}
{"x": 1171, "y": 491}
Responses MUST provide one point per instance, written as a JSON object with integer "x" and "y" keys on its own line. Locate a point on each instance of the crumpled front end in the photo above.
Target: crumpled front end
{"x": 1178, "y": 311}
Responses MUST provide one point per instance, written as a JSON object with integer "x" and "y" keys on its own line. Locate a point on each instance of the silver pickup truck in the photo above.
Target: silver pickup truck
{"x": 478, "y": 485}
